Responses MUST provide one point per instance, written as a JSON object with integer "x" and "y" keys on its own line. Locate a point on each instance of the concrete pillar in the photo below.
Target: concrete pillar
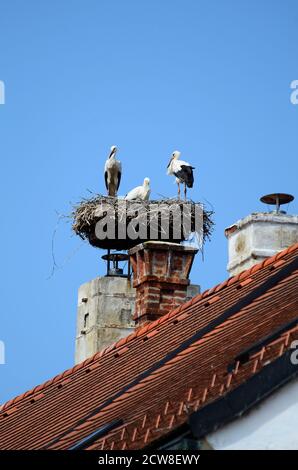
{"x": 259, "y": 236}
{"x": 105, "y": 314}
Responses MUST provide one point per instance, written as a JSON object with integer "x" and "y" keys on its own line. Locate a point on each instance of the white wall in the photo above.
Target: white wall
{"x": 271, "y": 425}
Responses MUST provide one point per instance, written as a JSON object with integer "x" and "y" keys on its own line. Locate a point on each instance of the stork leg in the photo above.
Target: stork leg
{"x": 178, "y": 190}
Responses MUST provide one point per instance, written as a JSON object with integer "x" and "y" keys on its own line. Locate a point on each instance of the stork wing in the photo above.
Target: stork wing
{"x": 185, "y": 175}
{"x": 119, "y": 179}
{"x": 106, "y": 180}
{"x": 134, "y": 193}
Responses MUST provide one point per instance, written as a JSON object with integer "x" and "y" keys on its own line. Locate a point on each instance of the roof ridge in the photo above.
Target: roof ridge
{"x": 141, "y": 330}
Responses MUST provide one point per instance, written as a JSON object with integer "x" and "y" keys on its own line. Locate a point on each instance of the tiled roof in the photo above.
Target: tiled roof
{"x": 153, "y": 379}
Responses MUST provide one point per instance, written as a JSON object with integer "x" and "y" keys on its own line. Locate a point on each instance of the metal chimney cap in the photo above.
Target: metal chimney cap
{"x": 277, "y": 199}
{"x": 115, "y": 259}
{"x": 281, "y": 197}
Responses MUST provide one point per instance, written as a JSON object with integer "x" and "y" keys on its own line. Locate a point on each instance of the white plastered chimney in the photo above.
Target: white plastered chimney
{"x": 261, "y": 235}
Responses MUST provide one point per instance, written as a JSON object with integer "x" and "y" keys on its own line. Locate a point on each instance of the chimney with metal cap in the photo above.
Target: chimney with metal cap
{"x": 261, "y": 234}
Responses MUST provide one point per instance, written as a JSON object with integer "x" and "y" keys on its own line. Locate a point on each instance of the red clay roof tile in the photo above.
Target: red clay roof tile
{"x": 202, "y": 364}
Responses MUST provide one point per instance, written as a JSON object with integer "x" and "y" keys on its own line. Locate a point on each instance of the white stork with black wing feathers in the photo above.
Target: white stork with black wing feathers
{"x": 182, "y": 170}
{"x": 113, "y": 170}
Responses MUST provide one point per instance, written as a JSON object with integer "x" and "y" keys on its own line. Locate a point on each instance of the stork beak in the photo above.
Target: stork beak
{"x": 112, "y": 152}
{"x": 170, "y": 162}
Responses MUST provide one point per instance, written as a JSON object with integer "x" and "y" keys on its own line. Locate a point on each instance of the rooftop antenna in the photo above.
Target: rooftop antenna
{"x": 277, "y": 200}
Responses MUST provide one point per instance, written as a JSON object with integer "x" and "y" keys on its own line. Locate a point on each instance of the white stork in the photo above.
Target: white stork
{"x": 113, "y": 170}
{"x": 182, "y": 170}
{"x": 140, "y": 192}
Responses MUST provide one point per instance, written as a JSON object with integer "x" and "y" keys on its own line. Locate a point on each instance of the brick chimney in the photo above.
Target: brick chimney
{"x": 109, "y": 307}
{"x": 161, "y": 278}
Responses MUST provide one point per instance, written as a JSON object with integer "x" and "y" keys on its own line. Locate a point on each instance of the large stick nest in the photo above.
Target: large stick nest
{"x": 88, "y": 212}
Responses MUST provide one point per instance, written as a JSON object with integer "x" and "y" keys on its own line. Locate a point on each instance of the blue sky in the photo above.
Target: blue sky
{"x": 209, "y": 78}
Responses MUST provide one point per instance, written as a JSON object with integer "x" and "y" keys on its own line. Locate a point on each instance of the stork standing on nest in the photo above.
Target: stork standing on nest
{"x": 182, "y": 170}
{"x": 113, "y": 170}
{"x": 140, "y": 192}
